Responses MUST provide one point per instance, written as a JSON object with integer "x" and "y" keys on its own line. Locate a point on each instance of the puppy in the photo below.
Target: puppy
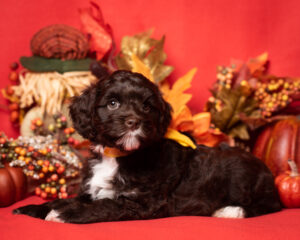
{"x": 153, "y": 177}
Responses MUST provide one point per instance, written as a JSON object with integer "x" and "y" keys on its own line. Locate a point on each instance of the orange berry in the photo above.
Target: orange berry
{"x": 39, "y": 122}
{"x": 53, "y": 191}
{"x": 47, "y": 189}
{"x": 40, "y": 162}
{"x": 62, "y": 181}
{"x": 23, "y": 152}
{"x": 27, "y": 160}
{"x": 45, "y": 169}
{"x": 18, "y": 149}
{"x": 51, "y": 168}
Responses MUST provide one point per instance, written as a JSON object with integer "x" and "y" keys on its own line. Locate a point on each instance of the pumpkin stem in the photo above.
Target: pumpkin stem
{"x": 294, "y": 169}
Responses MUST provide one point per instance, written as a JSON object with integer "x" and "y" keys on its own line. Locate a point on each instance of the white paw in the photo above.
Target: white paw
{"x": 53, "y": 216}
{"x": 230, "y": 212}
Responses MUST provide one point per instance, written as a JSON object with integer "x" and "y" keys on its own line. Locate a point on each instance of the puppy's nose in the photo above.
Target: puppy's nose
{"x": 132, "y": 123}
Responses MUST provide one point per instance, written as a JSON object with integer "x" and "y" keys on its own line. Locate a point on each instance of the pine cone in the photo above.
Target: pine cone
{"x": 60, "y": 41}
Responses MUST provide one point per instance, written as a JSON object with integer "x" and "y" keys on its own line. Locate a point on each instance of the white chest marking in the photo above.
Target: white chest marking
{"x": 230, "y": 212}
{"x": 100, "y": 185}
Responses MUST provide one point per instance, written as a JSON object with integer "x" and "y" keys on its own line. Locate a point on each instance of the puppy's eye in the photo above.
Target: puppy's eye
{"x": 146, "y": 108}
{"x": 113, "y": 104}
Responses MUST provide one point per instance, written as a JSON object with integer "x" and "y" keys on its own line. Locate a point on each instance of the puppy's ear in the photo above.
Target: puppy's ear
{"x": 166, "y": 116}
{"x": 82, "y": 112}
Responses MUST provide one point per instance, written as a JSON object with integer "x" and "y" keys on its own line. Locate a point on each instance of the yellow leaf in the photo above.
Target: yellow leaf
{"x": 183, "y": 115}
{"x": 176, "y": 96}
{"x": 140, "y": 67}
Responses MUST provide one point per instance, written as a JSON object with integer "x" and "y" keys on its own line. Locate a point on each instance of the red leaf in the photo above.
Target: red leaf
{"x": 99, "y": 33}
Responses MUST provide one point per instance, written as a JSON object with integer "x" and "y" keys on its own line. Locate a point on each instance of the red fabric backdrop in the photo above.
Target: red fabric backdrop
{"x": 199, "y": 33}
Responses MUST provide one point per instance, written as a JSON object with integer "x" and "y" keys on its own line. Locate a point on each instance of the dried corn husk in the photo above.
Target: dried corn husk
{"x": 48, "y": 90}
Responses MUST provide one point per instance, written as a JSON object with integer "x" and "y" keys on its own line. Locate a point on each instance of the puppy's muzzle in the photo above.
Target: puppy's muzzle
{"x": 132, "y": 123}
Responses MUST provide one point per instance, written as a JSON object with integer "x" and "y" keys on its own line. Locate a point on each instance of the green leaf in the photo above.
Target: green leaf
{"x": 234, "y": 102}
{"x": 40, "y": 64}
{"x": 240, "y": 131}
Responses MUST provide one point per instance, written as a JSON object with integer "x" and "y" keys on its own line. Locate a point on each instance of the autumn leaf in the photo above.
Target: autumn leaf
{"x": 257, "y": 64}
{"x": 148, "y": 50}
{"x": 176, "y": 96}
{"x": 98, "y": 32}
{"x": 140, "y": 67}
{"x": 234, "y": 102}
{"x": 211, "y": 138}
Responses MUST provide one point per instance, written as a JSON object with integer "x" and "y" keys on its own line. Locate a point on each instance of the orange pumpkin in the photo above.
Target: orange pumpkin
{"x": 13, "y": 185}
{"x": 278, "y": 143}
{"x": 288, "y": 185}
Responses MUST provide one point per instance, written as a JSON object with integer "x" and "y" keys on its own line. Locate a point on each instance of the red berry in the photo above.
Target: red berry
{"x": 30, "y": 149}
{"x": 13, "y": 76}
{"x": 13, "y": 106}
{"x": 31, "y": 167}
{"x": 14, "y": 66}
{"x": 63, "y": 189}
{"x": 70, "y": 140}
{"x": 63, "y": 119}
{"x": 60, "y": 170}
{"x": 44, "y": 195}
{"x": 46, "y": 163}
{"x": 2, "y": 140}
{"x": 14, "y": 116}
{"x": 9, "y": 90}
{"x": 35, "y": 154}
{"x": 38, "y": 191}
{"x": 54, "y": 177}
{"x": 57, "y": 165}
{"x": 64, "y": 195}
{"x": 76, "y": 142}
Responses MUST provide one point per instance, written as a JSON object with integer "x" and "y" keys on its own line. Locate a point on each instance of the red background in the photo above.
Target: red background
{"x": 199, "y": 33}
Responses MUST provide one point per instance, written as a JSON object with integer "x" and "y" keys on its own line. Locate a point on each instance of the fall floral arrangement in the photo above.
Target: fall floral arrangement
{"x": 245, "y": 97}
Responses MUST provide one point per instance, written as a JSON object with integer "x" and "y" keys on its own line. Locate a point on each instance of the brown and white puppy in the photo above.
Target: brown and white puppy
{"x": 157, "y": 177}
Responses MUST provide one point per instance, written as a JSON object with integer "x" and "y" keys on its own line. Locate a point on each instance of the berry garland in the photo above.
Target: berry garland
{"x": 49, "y": 158}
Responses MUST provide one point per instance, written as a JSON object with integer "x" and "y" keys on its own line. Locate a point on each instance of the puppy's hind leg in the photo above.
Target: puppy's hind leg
{"x": 230, "y": 212}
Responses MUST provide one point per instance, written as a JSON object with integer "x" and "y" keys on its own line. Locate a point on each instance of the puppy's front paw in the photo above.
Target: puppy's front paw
{"x": 53, "y": 216}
